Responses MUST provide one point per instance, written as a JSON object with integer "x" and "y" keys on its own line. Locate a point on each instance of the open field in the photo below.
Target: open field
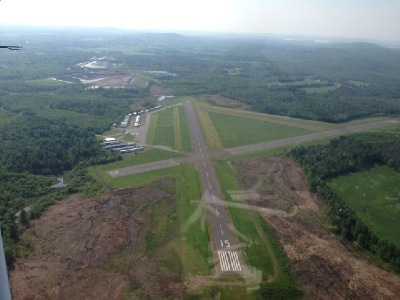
{"x": 322, "y": 89}
{"x": 315, "y": 86}
{"x": 294, "y": 83}
{"x": 315, "y": 126}
{"x": 238, "y": 131}
{"x": 358, "y": 83}
{"x": 140, "y": 82}
{"x": 130, "y": 159}
{"x": 375, "y": 197}
{"x": 47, "y": 82}
{"x": 168, "y": 128}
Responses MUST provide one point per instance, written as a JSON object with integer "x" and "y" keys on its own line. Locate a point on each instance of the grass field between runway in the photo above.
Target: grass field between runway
{"x": 210, "y": 133}
{"x": 310, "y": 125}
{"x": 374, "y": 195}
{"x": 169, "y": 128}
{"x": 262, "y": 250}
{"x": 131, "y": 159}
{"x": 238, "y": 131}
{"x": 228, "y": 128}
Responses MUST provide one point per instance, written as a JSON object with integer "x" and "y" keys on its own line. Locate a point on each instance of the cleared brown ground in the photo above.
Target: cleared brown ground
{"x": 96, "y": 249}
{"x": 226, "y": 102}
{"x": 157, "y": 91}
{"x": 324, "y": 266}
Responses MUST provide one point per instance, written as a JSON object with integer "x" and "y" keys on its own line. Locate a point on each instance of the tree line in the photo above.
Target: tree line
{"x": 341, "y": 156}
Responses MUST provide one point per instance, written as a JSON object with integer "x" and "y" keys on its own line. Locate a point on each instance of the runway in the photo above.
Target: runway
{"x": 224, "y": 241}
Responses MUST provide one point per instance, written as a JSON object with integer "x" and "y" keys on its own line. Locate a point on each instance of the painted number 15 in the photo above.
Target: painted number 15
{"x": 225, "y": 244}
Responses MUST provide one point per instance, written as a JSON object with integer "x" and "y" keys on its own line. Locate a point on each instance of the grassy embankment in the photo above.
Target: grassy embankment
{"x": 374, "y": 195}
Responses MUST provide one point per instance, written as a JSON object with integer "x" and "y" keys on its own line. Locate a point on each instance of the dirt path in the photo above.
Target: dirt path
{"x": 325, "y": 267}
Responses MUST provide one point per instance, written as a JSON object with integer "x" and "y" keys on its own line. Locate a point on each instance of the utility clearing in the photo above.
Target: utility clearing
{"x": 324, "y": 266}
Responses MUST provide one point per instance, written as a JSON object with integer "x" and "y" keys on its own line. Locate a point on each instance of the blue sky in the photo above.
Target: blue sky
{"x": 374, "y": 19}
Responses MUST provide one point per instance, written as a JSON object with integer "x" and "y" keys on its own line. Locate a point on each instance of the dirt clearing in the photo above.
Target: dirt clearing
{"x": 324, "y": 266}
{"x": 96, "y": 249}
{"x": 226, "y": 102}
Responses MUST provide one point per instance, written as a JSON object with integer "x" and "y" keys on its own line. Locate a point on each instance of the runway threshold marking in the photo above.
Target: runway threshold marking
{"x": 229, "y": 261}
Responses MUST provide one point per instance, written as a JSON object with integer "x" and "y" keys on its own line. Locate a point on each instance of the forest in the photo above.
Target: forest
{"x": 33, "y": 153}
{"x": 342, "y": 156}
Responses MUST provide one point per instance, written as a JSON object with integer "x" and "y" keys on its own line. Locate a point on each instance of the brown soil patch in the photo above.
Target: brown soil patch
{"x": 96, "y": 249}
{"x": 226, "y": 102}
{"x": 157, "y": 91}
{"x": 325, "y": 267}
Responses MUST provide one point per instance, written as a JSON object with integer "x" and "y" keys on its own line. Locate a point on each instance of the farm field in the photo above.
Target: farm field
{"x": 375, "y": 197}
{"x": 168, "y": 128}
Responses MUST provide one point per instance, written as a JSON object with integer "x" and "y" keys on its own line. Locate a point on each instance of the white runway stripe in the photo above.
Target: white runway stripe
{"x": 234, "y": 261}
{"x": 223, "y": 261}
{"x": 229, "y": 261}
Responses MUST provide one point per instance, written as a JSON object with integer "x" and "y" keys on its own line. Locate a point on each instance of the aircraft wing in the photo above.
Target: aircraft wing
{"x": 12, "y": 47}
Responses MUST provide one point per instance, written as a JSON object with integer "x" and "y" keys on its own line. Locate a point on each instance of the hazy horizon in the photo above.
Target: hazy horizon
{"x": 354, "y": 19}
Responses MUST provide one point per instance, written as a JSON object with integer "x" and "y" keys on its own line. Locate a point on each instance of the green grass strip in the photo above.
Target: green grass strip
{"x": 177, "y": 129}
{"x": 151, "y": 133}
{"x": 210, "y": 133}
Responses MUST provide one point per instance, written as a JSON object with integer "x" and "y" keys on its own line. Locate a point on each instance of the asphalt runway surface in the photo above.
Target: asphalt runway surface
{"x": 227, "y": 256}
